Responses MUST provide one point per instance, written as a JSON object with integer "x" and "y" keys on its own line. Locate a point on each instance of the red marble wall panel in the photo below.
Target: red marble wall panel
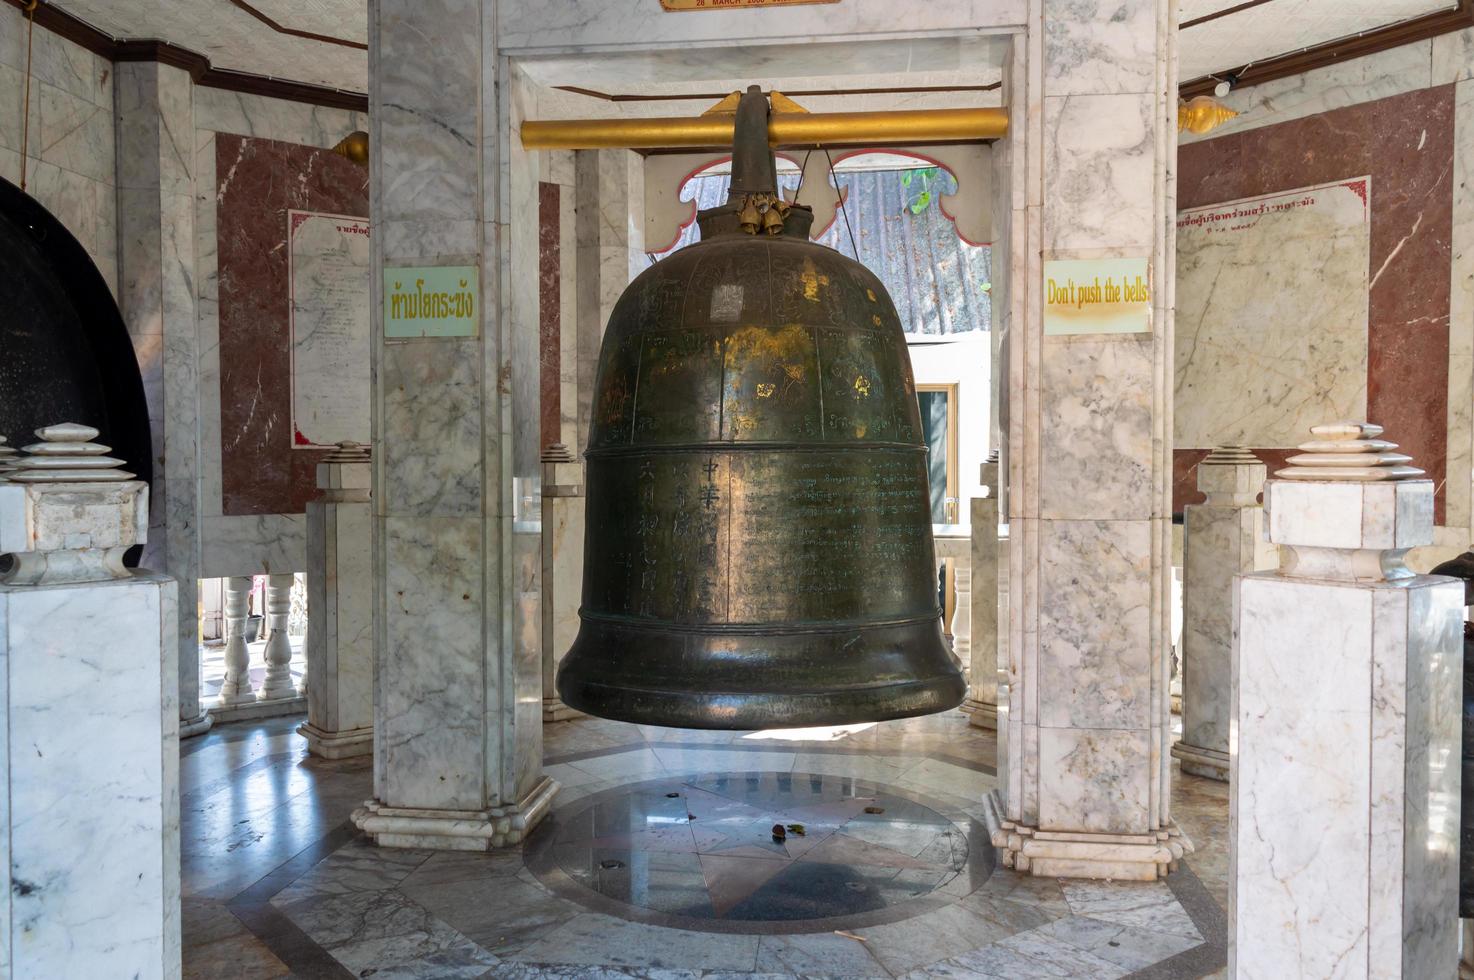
{"x": 1406, "y": 144}
{"x": 549, "y": 310}
{"x": 257, "y": 182}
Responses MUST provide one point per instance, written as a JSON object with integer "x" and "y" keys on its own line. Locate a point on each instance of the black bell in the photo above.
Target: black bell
{"x": 758, "y": 548}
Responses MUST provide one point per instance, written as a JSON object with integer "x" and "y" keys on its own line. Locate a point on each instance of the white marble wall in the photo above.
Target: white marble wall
{"x": 90, "y": 800}
{"x": 1083, "y": 772}
{"x": 458, "y": 704}
{"x": 71, "y": 148}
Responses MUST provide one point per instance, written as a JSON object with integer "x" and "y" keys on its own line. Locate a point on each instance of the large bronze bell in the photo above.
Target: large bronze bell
{"x": 758, "y": 533}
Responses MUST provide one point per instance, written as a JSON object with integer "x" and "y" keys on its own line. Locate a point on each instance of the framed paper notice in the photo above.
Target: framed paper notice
{"x": 1095, "y": 296}
{"x": 328, "y": 281}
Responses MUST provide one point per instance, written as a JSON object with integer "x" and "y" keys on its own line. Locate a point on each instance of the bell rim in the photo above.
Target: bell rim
{"x": 758, "y": 711}
{"x": 609, "y": 669}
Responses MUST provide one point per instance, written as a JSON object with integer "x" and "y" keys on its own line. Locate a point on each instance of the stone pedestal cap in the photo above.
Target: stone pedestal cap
{"x": 67, "y": 513}
{"x": 1347, "y": 491}
{"x": 7, "y": 457}
{"x": 346, "y": 468}
{"x": 1232, "y": 472}
{"x": 988, "y": 474}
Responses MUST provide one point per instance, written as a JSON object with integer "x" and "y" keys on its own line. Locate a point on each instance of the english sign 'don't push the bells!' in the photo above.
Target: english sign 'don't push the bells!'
{"x": 1096, "y": 296}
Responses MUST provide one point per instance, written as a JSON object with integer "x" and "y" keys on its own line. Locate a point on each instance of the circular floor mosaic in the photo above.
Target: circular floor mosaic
{"x": 739, "y": 852}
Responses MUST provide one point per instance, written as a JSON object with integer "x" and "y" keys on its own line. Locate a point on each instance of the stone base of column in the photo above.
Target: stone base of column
{"x": 198, "y": 725}
{"x": 1198, "y": 761}
{"x": 256, "y": 709}
{"x": 456, "y": 830}
{"x": 337, "y": 745}
{"x": 1114, "y": 857}
{"x": 555, "y": 710}
{"x": 981, "y": 714}
{"x": 234, "y": 698}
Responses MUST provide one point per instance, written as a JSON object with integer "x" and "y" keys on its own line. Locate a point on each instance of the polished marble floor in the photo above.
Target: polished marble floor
{"x": 675, "y": 855}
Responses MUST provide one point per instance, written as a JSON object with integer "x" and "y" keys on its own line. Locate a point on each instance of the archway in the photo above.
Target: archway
{"x": 67, "y": 354}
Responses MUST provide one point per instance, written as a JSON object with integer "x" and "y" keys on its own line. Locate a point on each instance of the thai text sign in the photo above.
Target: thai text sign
{"x": 1087, "y": 296}
{"x": 431, "y": 301}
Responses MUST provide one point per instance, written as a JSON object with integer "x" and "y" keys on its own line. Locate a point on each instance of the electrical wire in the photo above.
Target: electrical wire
{"x": 839, "y": 196}
{"x": 25, "y": 131}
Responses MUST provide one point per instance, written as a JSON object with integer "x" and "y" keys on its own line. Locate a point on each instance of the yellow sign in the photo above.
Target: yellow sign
{"x": 732, "y": 4}
{"x": 1097, "y": 296}
{"x": 431, "y": 301}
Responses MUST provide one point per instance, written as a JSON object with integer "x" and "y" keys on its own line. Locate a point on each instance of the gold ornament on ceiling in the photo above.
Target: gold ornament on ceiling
{"x": 355, "y": 147}
{"x": 1202, "y": 114}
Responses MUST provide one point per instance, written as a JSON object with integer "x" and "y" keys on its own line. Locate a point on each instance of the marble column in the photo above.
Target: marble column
{"x": 237, "y": 686}
{"x": 155, "y": 163}
{"x": 982, "y": 697}
{"x": 89, "y": 795}
{"x": 562, "y": 470}
{"x": 277, "y": 684}
{"x": 962, "y": 609}
{"x": 610, "y": 197}
{"x": 1344, "y": 784}
{"x": 1083, "y": 763}
{"x": 340, "y": 647}
{"x": 562, "y": 542}
{"x": 1222, "y": 537}
{"x": 458, "y": 699}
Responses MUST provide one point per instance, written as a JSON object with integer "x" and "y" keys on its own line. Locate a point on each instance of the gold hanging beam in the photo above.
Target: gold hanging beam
{"x": 785, "y": 129}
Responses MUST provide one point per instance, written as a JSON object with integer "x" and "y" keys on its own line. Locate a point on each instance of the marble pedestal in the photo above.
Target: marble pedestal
{"x": 1345, "y": 783}
{"x": 340, "y": 647}
{"x": 982, "y": 696}
{"x": 1222, "y": 537}
{"x": 91, "y": 796}
{"x": 89, "y": 661}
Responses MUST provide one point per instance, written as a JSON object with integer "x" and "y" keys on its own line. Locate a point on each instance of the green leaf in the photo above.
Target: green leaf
{"x": 906, "y": 179}
{"x": 922, "y": 200}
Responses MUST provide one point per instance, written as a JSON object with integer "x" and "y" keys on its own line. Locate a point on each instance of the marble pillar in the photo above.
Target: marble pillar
{"x": 1344, "y": 784}
{"x": 236, "y": 688}
{"x": 156, "y": 293}
{"x": 90, "y": 791}
{"x": 982, "y": 697}
{"x": 562, "y": 542}
{"x": 562, "y": 469}
{"x": 458, "y": 695}
{"x": 340, "y": 648}
{"x": 610, "y": 197}
{"x": 961, "y": 630}
{"x": 1091, "y": 145}
{"x": 1222, "y": 537}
